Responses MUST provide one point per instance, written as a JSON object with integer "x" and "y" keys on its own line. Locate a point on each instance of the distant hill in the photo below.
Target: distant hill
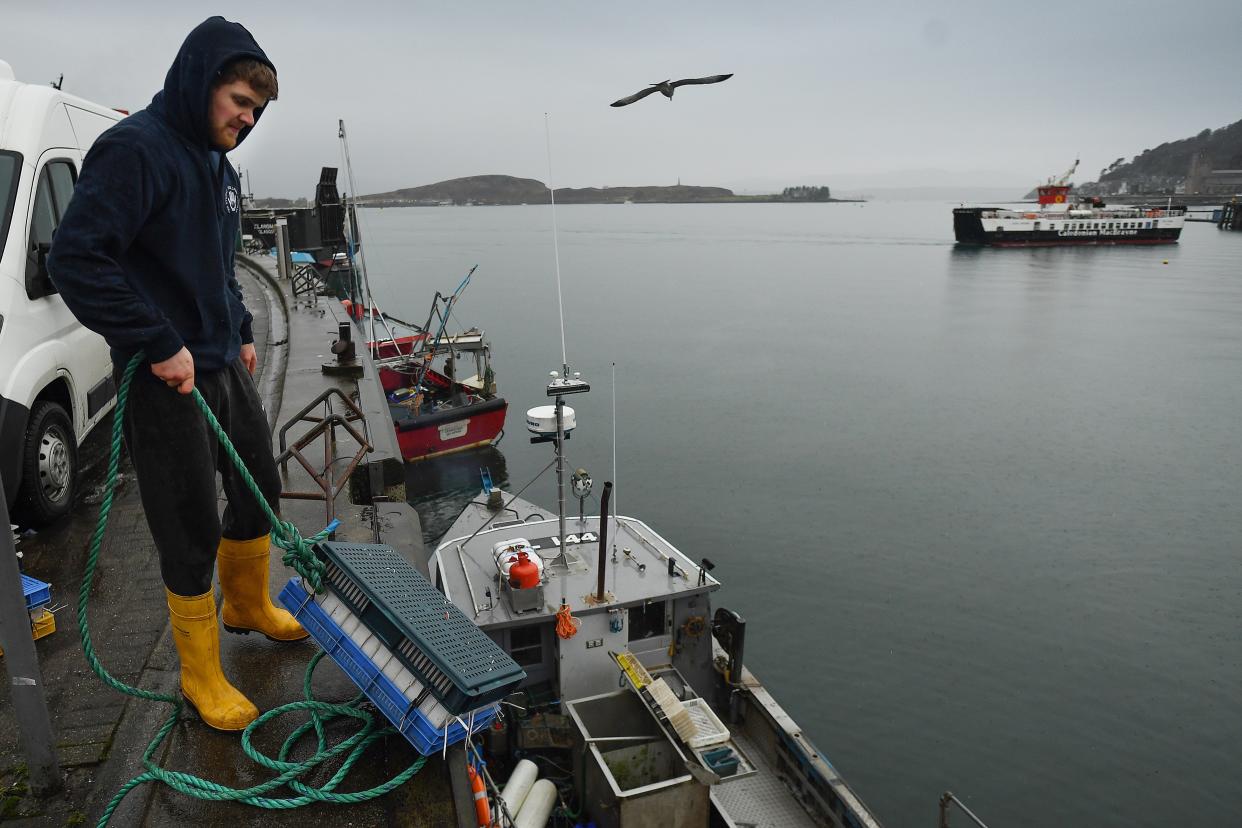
{"x": 1167, "y": 167}
{"x": 506, "y": 189}
{"x": 476, "y": 189}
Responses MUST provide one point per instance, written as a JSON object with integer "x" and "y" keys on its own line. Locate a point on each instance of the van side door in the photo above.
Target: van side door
{"x": 81, "y": 356}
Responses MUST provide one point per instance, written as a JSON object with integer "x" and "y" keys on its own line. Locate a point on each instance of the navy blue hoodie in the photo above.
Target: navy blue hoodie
{"x": 144, "y": 254}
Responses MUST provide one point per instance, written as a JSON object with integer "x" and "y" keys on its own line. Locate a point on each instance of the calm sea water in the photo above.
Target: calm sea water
{"x": 980, "y": 507}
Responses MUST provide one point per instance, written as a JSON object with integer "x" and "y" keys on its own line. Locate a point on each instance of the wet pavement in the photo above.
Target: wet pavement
{"x": 102, "y": 734}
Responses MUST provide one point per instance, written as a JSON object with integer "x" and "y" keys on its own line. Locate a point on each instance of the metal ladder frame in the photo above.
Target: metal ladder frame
{"x": 323, "y": 426}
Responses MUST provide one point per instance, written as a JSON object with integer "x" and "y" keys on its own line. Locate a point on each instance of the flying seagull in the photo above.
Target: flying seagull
{"x": 666, "y": 88}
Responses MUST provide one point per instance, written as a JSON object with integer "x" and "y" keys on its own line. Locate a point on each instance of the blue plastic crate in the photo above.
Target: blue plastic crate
{"x": 722, "y": 760}
{"x": 426, "y": 738}
{"x": 37, "y": 592}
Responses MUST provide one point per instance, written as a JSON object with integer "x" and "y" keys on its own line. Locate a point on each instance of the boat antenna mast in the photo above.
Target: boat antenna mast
{"x": 561, "y": 385}
{"x": 556, "y": 250}
{"x": 368, "y": 300}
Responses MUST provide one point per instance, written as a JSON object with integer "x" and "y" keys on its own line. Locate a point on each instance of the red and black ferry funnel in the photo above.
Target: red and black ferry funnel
{"x": 1053, "y": 194}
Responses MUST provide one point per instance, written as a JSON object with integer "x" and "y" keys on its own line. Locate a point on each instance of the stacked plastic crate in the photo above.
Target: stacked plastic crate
{"x": 427, "y": 667}
{"x": 38, "y": 596}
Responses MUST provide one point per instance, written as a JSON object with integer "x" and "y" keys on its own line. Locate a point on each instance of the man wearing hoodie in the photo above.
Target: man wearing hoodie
{"x": 144, "y": 256}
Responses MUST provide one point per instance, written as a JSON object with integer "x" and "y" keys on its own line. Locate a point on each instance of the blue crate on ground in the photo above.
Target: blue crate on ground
{"x": 37, "y": 592}
{"x": 426, "y": 738}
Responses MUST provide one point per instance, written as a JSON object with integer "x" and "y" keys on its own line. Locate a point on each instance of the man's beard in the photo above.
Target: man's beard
{"x": 224, "y": 140}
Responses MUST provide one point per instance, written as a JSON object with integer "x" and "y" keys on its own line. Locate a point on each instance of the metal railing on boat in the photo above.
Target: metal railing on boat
{"x": 947, "y": 799}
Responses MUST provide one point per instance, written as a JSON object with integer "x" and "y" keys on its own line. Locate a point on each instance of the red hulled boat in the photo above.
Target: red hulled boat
{"x": 433, "y": 411}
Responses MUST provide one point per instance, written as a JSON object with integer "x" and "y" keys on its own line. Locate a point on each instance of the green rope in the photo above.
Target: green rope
{"x": 299, "y": 556}
{"x": 298, "y": 552}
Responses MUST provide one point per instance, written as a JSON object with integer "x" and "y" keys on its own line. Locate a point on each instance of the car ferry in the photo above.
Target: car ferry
{"x": 1057, "y": 221}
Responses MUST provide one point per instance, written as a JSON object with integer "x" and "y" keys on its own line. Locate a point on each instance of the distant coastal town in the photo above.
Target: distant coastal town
{"x": 1205, "y": 168}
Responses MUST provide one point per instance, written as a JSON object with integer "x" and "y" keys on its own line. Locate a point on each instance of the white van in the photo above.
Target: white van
{"x": 55, "y": 375}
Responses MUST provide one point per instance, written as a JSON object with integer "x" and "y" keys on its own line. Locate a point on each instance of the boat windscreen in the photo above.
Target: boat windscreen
{"x": 10, "y": 168}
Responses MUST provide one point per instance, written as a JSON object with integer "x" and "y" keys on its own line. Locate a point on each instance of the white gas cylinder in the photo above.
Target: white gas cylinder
{"x": 538, "y": 806}
{"x": 518, "y": 787}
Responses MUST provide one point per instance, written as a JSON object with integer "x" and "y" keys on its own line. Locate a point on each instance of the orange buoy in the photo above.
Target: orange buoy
{"x": 481, "y": 809}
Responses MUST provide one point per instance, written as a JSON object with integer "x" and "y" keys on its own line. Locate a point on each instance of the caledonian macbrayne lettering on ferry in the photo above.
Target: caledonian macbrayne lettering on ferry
{"x": 1096, "y": 233}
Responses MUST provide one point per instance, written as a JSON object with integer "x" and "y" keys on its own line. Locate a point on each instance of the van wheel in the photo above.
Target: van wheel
{"x": 49, "y": 465}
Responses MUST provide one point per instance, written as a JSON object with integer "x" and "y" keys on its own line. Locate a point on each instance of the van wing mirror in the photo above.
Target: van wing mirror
{"x": 38, "y": 280}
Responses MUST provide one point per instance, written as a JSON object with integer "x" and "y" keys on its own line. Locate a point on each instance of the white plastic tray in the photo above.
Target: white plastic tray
{"x": 711, "y": 730}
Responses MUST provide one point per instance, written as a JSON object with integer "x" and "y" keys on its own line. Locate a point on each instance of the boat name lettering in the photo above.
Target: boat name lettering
{"x": 544, "y": 543}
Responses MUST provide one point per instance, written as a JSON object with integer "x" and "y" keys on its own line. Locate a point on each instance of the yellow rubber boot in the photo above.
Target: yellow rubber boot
{"x": 248, "y": 607}
{"x": 197, "y": 635}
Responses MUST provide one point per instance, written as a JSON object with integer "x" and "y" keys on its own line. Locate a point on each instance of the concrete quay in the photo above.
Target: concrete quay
{"x": 101, "y": 735}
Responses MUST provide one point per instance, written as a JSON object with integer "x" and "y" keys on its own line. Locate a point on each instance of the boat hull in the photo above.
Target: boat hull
{"x": 970, "y": 227}
{"x": 456, "y": 429}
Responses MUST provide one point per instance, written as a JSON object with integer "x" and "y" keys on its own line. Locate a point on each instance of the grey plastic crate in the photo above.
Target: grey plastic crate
{"x": 435, "y": 640}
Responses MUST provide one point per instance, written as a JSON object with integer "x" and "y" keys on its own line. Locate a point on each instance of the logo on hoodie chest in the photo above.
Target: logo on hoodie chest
{"x": 231, "y": 199}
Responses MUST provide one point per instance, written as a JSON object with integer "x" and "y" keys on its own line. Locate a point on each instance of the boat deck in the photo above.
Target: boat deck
{"x": 761, "y": 799}
{"x": 464, "y": 567}
{"x": 1096, "y": 213}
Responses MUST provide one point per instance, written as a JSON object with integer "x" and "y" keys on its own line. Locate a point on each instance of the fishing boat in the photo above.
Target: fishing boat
{"x": 1060, "y": 221}
{"x": 435, "y": 410}
{"x": 636, "y": 703}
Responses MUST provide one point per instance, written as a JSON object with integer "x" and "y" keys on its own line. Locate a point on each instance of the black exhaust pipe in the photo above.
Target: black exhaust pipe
{"x": 603, "y": 538}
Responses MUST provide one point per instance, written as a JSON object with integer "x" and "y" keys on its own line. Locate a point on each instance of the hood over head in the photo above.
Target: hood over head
{"x": 185, "y": 100}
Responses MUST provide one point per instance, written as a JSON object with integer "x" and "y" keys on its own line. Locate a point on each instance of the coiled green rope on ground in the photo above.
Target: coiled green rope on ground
{"x": 301, "y": 558}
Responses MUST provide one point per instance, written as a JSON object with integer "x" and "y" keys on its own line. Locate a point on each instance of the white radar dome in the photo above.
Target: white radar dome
{"x": 541, "y": 420}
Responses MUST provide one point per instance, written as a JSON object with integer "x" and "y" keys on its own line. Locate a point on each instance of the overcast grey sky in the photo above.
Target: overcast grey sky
{"x": 853, "y": 95}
